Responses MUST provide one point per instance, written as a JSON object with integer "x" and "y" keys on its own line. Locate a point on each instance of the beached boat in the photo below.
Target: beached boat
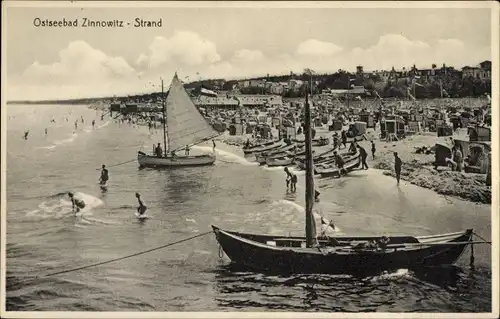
{"x": 280, "y": 161}
{"x": 263, "y": 148}
{"x": 334, "y": 171}
{"x": 184, "y": 126}
{"x": 337, "y": 255}
{"x": 261, "y": 157}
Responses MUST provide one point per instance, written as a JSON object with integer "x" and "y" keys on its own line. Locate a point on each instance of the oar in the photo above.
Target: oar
{"x": 439, "y": 244}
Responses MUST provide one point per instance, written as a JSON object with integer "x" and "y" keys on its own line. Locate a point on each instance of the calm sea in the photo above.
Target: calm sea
{"x": 43, "y": 236}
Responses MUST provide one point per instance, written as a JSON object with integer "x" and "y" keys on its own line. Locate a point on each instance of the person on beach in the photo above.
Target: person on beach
{"x": 397, "y": 166}
{"x": 142, "y": 208}
{"x": 93, "y": 123}
{"x": 339, "y": 161}
{"x": 158, "y": 150}
{"x": 26, "y": 135}
{"x": 316, "y": 195}
{"x": 458, "y": 159}
{"x": 313, "y": 133}
{"x": 104, "y": 175}
{"x": 82, "y": 119}
{"x": 76, "y": 203}
{"x": 363, "y": 155}
{"x": 288, "y": 177}
{"x": 373, "y": 149}
{"x": 213, "y": 142}
{"x": 76, "y": 125}
{"x": 353, "y": 148}
{"x": 344, "y": 138}
{"x": 186, "y": 150}
{"x": 46, "y": 131}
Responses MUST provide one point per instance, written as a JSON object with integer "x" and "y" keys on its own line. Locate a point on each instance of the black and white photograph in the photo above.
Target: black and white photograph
{"x": 249, "y": 159}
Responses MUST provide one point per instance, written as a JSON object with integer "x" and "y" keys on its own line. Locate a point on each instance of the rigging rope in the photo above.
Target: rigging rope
{"x": 125, "y": 257}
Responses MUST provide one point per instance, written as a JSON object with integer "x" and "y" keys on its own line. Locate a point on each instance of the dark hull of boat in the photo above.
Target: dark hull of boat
{"x": 349, "y": 167}
{"x": 252, "y": 251}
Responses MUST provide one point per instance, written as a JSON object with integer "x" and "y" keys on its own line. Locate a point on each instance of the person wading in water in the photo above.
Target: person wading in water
{"x": 104, "y": 175}
{"x": 142, "y": 208}
{"x": 288, "y": 177}
{"x": 158, "y": 151}
{"x": 77, "y": 204}
{"x": 397, "y": 166}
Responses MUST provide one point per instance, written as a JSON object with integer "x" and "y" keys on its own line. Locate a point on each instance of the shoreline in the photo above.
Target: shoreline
{"x": 417, "y": 169}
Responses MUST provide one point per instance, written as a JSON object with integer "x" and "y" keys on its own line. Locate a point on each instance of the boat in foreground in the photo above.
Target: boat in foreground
{"x": 341, "y": 255}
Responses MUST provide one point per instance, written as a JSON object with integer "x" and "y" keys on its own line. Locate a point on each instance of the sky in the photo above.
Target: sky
{"x": 204, "y": 42}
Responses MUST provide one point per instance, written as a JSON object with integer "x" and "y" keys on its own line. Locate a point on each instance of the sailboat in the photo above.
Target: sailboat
{"x": 337, "y": 255}
{"x": 183, "y": 126}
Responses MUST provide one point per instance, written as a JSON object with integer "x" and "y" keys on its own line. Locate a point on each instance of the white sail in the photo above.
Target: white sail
{"x": 185, "y": 124}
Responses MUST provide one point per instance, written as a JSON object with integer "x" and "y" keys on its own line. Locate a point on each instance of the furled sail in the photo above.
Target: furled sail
{"x": 185, "y": 124}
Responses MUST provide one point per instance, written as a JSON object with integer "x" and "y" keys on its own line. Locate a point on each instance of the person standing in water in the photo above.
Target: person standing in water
{"x": 373, "y": 150}
{"x": 26, "y": 135}
{"x": 397, "y": 166}
{"x": 288, "y": 177}
{"x": 104, "y": 175}
{"x": 77, "y": 204}
{"x": 213, "y": 142}
{"x": 142, "y": 208}
{"x": 46, "y": 131}
{"x": 93, "y": 123}
{"x": 158, "y": 151}
{"x": 82, "y": 119}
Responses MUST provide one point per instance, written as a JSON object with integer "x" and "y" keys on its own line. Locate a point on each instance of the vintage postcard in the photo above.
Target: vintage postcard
{"x": 249, "y": 159}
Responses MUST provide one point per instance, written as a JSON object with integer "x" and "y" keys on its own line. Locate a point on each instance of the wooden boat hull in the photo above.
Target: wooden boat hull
{"x": 180, "y": 161}
{"x": 262, "y": 148}
{"x": 335, "y": 171}
{"x": 261, "y": 157}
{"x": 258, "y": 253}
{"x": 272, "y": 162}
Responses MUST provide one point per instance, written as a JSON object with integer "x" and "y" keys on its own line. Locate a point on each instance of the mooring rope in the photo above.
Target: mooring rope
{"x": 123, "y": 257}
{"x": 481, "y": 238}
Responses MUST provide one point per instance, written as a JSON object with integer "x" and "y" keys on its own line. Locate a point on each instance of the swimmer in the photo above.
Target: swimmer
{"x": 142, "y": 208}
{"x": 77, "y": 204}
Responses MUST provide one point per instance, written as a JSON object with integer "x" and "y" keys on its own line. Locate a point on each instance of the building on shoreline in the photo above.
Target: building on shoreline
{"x": 227, "y": 102}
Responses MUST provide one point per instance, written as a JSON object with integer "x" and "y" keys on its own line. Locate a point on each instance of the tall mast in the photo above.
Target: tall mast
{"x": 164, "y": 109}
{"x": 309, "y": 177}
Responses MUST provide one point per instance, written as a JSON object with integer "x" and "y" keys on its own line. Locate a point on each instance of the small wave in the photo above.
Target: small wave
{"x": 50, "y": 147}
{"x": 317, "y": 216}
{"x": 60, "y": 208}
{"x": 228, "y": 156}
{"x": 105, "y": 124}
{"x": 398, "y": 274}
